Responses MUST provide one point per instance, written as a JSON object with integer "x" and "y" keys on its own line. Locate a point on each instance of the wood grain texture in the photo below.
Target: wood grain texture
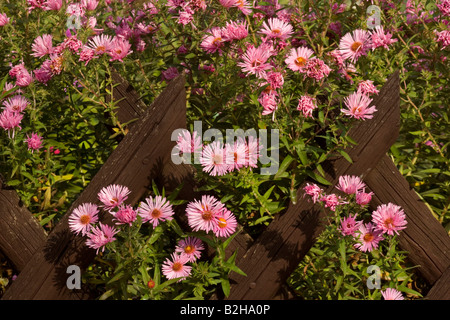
{"x": 20, "y": 233}
{"x": 441, "y": 288}
{"x": 424, "y": 238}
{"x": 278, "y": 251}
{"x": 134, "y": 163}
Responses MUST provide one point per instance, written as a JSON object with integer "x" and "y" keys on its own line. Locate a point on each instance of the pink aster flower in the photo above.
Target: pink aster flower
{"x": 202, "y": 215}
{"x": 83, "y": 218}
{"x": 275, "y": 80}
{"x": 42, "y": 46}
{"x": 363, "y": 198}
{"x": 236, "y": 155}
{"x": 17, "y": 70}
{"x": 100, "y": 44}
{"x": 113, "y": 196}
{"x": 155, "y": 210}
{"x": 253, "y": 151}
{"x": 75, "y": 9}
{"x": 10, "y": 121}
{"x": 176, "y": 267}
{"x": 276, "y": 28}
{"x": 227, "y": 3}
{"x": 389, "y": 218}
{"x": 392, "y": 294}
{"x": 298, "y": 57}
{"x": 381, "y": 39}
{"x": 34, "y": 142}
{"x": 17, "y": 103}
{"x": 367, "y": 87}
{"x": 269, "y": 102}
{"x": 349, "y": 225}
{"x": 306, "y": 105}
{"x": 4, "y": 20}
{"x": 350, "y": 184}
{"x": 86, "y": 55}
{"x": 314, "y": 191}
{"x": 444, "y": 7}
{"x": 90, "y": 5}
{"x": 368, "y": 237}
{"x": 188, "y": 143}
{"x": 120, "y": 48}
{"x": 316, "y": 69}
{"x": 52, "y": 5}
{"x": 354, "y": 45}
{"x": 244, "y": 6}
{"x": 213, "y": 40}
{"x": 235, "y": 30}
{"x": 73, "y": 43}
{"x": 213, "y": 159}
{"x": 191, "y": 247}
{"x": 99, "y": 236}
{"x": 357, "y": 105}
{"x": 254, "y": 60}
{"x": 331, "y": 201}
{"x": 170, "y": 73}
{"x": 24, "y": 79}
{"x": 443, "y": 37}
{"x": 225, "y": 224}
{"x": 337, "y": 58}
{"x": 125, "y": 215}
{"x": 43, "y": 74}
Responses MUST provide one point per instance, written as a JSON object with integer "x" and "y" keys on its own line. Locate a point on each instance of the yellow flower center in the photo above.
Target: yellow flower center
{"x": 85, "y": 219}
{"x": 300, "y": 61}
{"x": 368, "y": 237}
{"x": 177, "y": 266}
{"x": 189, "y": 249}
{"x": 355, "y": 46}
{"x": 222, "y": 223}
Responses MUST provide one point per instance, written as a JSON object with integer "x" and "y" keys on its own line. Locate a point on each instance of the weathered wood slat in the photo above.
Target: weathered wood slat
{"x": 130, "y": 105}
{"x": 20, "y": 233}
{"x": 441, "y": 288}
{"x": 134, "y": 163}
{"x": 424, "y": 238}
{"x": 278, "y": 251}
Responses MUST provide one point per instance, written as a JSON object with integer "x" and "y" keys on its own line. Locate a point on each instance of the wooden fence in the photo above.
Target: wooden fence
{"x": 144, "y": 155}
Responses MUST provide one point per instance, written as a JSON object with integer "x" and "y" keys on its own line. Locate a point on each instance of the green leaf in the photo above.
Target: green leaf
{"x": 346, "y": 155}
{"x": 12, "y": 183}
{"x": 284, "y": 165}
{"x": 47, "y": 219}
{"x": 318, "y": 178}
{"x": 226, "y": 287}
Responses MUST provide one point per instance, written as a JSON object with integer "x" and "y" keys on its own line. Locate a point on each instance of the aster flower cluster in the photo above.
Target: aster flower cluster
{"x": 209, "y": 214}
{"x": 13, "y": 109}
{"x": 152, "y": 210}
{"x": 206, "y": 215}
{"x": 188, "y": 250}
{"x": 217, "y": 158}
{"x": 387, "y": 219}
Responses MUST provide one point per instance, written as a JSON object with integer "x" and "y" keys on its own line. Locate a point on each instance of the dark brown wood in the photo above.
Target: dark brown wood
{"x": 130, "y": 106}
{"x": 20, "y": 233}
{"x": 441, "y": 288}
{"x": 278, "y": 251}
{"x": 134, "y": 163}
{"x": 424, "y": 238}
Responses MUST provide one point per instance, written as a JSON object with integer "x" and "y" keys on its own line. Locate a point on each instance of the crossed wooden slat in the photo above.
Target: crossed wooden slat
{"x": 144, "y": 154}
